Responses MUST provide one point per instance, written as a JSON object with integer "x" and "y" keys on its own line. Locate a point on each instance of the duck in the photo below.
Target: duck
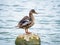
{"x": 27, "y": 21}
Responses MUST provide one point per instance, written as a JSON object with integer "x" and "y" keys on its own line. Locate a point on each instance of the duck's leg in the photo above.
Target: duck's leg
{"x": 26, "y": 31}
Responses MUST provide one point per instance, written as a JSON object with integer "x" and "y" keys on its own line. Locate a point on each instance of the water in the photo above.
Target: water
{"x": 47, "y": 22}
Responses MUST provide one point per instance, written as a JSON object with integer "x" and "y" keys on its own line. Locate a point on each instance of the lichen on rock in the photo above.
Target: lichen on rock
{"x": 28, "y": 39}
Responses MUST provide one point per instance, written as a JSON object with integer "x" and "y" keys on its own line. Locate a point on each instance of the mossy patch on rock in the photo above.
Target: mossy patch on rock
{"x": 28, "y": 39}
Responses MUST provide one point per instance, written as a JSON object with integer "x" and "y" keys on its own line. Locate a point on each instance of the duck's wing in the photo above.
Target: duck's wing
{"x": 25, "y": 21}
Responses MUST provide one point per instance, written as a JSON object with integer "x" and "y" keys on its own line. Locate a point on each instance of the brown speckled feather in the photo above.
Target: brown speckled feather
{"x": 24, "y": 22}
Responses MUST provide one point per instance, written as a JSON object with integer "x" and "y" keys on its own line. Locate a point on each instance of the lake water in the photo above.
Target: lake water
{"x": 47, "y": 22}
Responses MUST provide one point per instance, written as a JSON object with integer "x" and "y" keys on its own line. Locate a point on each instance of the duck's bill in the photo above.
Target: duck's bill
{"x": 36, "y": 13}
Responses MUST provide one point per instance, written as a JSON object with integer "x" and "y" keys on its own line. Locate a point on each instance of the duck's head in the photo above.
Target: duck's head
{"x": 33, "y": 11}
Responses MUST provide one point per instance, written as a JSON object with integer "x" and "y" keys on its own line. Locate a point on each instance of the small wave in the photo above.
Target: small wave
{"x": 58, "y": 5}
{"x": 15, "y": 5}
{"x": 4, "y": 32}
{"x": 11, "y": 20}
{"x": 6, "y": 27}
{"x": 3, "y": 5}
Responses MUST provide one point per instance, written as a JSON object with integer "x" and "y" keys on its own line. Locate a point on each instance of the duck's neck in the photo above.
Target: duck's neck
{"x": 31, "y": 16}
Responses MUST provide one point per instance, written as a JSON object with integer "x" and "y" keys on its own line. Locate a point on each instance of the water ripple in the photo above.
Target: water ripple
{"x": 47, "y": 23}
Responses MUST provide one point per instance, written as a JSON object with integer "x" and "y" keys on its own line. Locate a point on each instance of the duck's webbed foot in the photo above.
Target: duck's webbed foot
{"x": 28, "y": 32}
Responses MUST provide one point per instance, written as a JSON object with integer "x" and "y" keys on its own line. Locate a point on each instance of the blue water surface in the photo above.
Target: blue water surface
{"x": 47, "y": 22}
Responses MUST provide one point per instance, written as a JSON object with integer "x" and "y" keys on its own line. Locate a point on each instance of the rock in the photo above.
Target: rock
{"x": 28, "y": 39}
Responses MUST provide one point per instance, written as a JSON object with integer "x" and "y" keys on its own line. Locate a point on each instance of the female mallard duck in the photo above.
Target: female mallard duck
{"x": 27, "y": 21}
